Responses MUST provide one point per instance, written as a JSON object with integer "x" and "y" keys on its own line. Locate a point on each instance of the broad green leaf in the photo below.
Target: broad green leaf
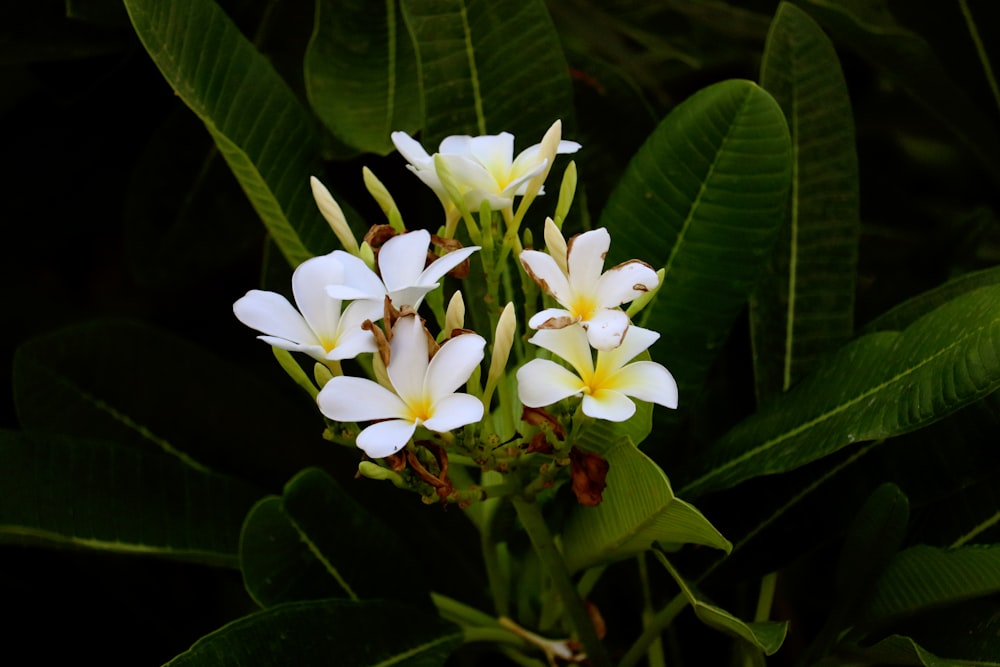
{"x": 328, "y": 632}
{"x": 316, "y": 541}
{"x": 101, "y": 495}
{"x": 872, "y": 540}
{"x": 871, "y": 29}
{"x": 766, "y": 636}
{"x": 361, "y": 73}
{"x": 901, "y": 316}
{"x": 598, "y": 435}
{"x": 134, "y": 384}
{"x": 265, "y": 135}
{"x": 899, "y": 650}
{"x": 804, "y": 305}
{"x": 704, "y": 197}
{"x": 923, "y": 577}
{"x": 880, "y": 385}
{"x": 185, "y": 217}
{"x": 638, "y": 510}
{"x": 489, "y": 66}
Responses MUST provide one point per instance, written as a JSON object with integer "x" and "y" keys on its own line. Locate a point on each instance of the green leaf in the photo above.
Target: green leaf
{"x": 134, "y": 384}
{"x": 639, "y": 509}
{"x": 489, "y": 66}
{"x": 923, "y": 577}
{"x": 804, "y": 306}
{"x": 361, "y": 73}
{"x": 870, "y": 29}
{"x": 904, "y": 314}
{"x": 766, "y": 636}
{"x": 102, "y": 495}
{"x": 880, "y": 385}
{"x": 263, "y": 132}
{"x": 599, "y": 435}
{"x": 899, "y": 650}
{"x": 316, "y": 541}
{"x": 872, "y": 540}
{"x": 704, "y": 197}
{"x": 185, "y": 217}
{"x": 328, "y": 632}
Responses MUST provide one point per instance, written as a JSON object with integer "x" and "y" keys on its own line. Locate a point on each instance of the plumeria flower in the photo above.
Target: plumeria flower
{"x": 320, "y": 330}
{"x": 401, "y": 262}
{"x": 422, "y": 393}
{"x": 483, "y": 168}
{"x": 606, "y": 386}
{"x": 587, "y": 295}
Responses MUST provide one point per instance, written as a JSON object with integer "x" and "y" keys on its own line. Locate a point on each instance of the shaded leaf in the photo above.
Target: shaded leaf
{"x": 924, "y": 577}
{"x": 639, "y": 510}
{"x": 599, "y": 435}
{"x": 489, "y": 66}
{"x": 879, "y": 385}
{"x": 704, "y": 197}
{"x": 899, "y": 650}
{"x": 904, "y": 314}
{"x": 361, "y": 73}
{"x": 804, "y": 306}
{"x": 263, "y": 132}
{"x": 328, "y": 632}
{"x": 101, "y": 495}
{"x": 316, "y": 541}
{"x": 131, "y": 383}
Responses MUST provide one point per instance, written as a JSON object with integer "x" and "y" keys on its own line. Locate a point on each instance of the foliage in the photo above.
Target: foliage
{"x": 814, "y": 181}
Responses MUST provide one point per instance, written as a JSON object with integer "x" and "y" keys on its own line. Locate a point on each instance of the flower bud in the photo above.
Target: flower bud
{"x": 384, "y": 199}
{"x": 567, "y": 190}
{"x": 502, "y": 342}
{"x": 555, "y": 244}
{"x": 334, "y": 216}
{"x": 455, "y": 316}
{"x": 374, "y": 471}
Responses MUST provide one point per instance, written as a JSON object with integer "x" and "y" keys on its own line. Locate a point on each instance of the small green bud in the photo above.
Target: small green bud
{"x": 334, "y": 215}
{"x": 567, "y": 190}
{"x": 372, "y": 470}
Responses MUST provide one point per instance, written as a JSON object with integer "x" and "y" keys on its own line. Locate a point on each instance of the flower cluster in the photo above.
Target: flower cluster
{"x": 362, "y": 303}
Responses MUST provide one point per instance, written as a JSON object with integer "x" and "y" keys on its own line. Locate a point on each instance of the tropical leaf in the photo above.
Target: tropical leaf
{"x": 328, "y": 632}
{"x": 704, "y": 197}
{"x": 100, "y": 495}
{"x": 316, "y": 541}
{"x": 361, "y": 73}
{"x": 489, "y": 66}
{"x": 599, "y": 435}
{"x": 923, "y": 577}
{"x": 804, "y": 305}
{"x": 765, "y": 636}
{"x": 134, "y": 384}
{"x": 639, "y": 509}
{"x": 265, "y": 135}
{"x": 871, "y": 29}
{"x": 899, "y": 650}
{"x": 880, "y": 385}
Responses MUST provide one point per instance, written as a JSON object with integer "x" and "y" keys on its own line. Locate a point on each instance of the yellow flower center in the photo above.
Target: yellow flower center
{"x": 582, "y": 306}
{"x": 420, "y": 410}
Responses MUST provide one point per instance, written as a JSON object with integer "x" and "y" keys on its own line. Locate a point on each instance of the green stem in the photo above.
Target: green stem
{"x": 550, "y": 558}
{"x": 461, "y": 613}
{"x": 766, "y": 598}
{"x": 653, "y": 630}
{"x": 655, "y": 651}
{"x": 494, "y": 572}
{"x": 980, "y": 51}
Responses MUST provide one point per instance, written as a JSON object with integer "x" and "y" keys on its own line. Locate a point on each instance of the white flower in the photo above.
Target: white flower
{"x": 606, "y": 387}
{"x": 321, "y": 330}
{"x": 587, "y": 295}
{"x": 401, "y": 263}
{"x": 482, "y": 168}
{"x": 423, "y": 392}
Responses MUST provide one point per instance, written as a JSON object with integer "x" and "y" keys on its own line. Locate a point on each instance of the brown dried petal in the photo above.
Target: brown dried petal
{"x": 377, "y": 235}
{"x": 588, "y": 472}
{"x": 539, "y": 417}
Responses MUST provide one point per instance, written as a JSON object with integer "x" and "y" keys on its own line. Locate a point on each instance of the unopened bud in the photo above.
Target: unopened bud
{"x": 555, "y": 243}
{"x": 385, "y": 201}
{"x": 502, "y": 342}
{"x": 455, "y": 316}
{"x": 448, "y": 182}
{"x": 367, "y": 255}
{"x": 334, "y": 215}
{"x": 567, "y": 190}
{"x": 374, "y": 471}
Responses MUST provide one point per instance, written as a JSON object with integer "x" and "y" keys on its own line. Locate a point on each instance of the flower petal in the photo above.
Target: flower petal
{"x": 364, "y": 282}
{"x": 571, "y": 344}
{"x": 385, "y": 438}
{"x": 411, "y": 149}
{"x": 408, "y": 359}
{"x": 494, "y": 152}
{"x": 452, "y": 365}
{"x": 352, "y": 343}
{"x": 454, "y": 411}
{"x": 317, "y": 352}
{"x": 469, "y": 175}
{"x": 443, "y": 264}
{"x": 309, "y": 282}
{"x": 647, "y": 381}
{"x": 542, "y": 382}
{"x": 552, "y": 318}
{"x": 271, "y": 313}
{"x": 544, "y": 271}
{"x": 585, "y": 259}
{"x": 351, "y": 399}
{"x": 401, "y": 259}
{"x": 625, "y": 282}
{"x": 606, "y": 329}
{"x": 612, "y": 406}
{"x": 636, "y": 341}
